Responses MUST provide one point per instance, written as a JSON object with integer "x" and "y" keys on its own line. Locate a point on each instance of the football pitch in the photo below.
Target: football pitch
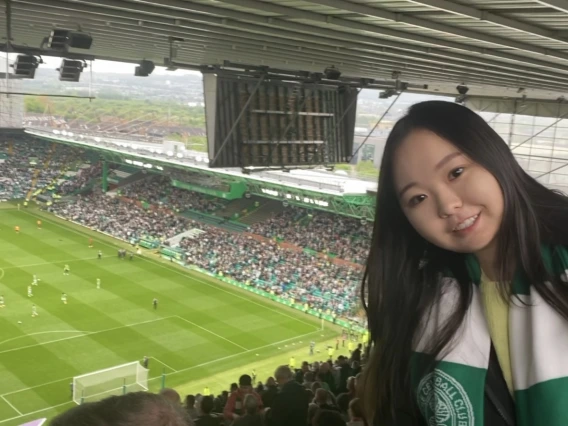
{"x": 200, "y": 329}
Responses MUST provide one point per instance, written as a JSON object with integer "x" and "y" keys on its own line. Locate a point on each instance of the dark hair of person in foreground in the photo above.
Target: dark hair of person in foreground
{"x": 132, "y": 409}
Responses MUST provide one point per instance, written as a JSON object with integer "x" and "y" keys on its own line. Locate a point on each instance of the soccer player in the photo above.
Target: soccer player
{"x": 155, "y": 303}
{"x": 90, "y": 243}
{"x": 312, "y": 346}
{"x": 35, "y": 280}
{"x": 17, "y": 229}
{"x": 30, "y": 294}
{"x": 2, "y": 301}
{"x": 145, "y": 362}
{"x": 253, "y": 375}
{"x": 292, "y": 363}
{"x": 64, "y": 298}
{"x": 34, "y": 311}
{"x": 66, "y": 270}
{"x": 100, "y": 255}
{"x": 38, "y": 224}
{"x": 98, "y": 283}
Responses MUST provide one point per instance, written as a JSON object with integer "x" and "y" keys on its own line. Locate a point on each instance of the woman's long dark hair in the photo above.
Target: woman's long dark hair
{"x": 397, "y": 294}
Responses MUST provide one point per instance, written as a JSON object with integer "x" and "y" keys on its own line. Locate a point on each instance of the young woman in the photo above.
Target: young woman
{"x": 465, "y": 286}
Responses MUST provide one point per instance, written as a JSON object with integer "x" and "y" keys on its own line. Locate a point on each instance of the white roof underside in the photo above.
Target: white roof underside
{"x": 494, "y": 46}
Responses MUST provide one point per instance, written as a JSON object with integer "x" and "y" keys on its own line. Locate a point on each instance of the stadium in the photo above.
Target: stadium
{"x": 187, "y": 201}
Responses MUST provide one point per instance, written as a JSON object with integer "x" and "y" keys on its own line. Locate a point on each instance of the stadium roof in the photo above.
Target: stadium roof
{"x": 496, "y": 47}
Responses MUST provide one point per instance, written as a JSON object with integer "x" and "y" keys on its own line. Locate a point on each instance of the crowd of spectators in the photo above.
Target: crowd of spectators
{"x": 346, "y": 237}
{"x": 158, "y": 190}
{"x": 28, "y": 158}
{"x": 121, "y": 219}
{"x": 317, "y": 394}
{"x": 266, "y": 265}
{"x": 80, "y": 180}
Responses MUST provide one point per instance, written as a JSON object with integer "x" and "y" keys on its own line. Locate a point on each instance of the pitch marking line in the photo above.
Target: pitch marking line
{"x": 237, "y": 354}
{"x": 37, "y": 411}
{"x": 211, "y": 332}
{"x": 183, "y": 273}
{"x": 14, "y": 408}
{"x": 163, "y": 363}
{"x": 52, "y": 263}
{"x": 89, "y": 333}
{"x": 45, "y": 332}
{"x": 154, "y": 378}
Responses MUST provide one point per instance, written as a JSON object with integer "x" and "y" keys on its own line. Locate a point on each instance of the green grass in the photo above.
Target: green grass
{"x": 204, "y": 332}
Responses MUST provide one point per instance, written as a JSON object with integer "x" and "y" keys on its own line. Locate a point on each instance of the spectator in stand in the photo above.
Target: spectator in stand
{"x": 345, "y": 372}
{"x": 190, "y": 406}
{"x": 290, "y": 406}
{"x": 235, "y": 405}
{"x": 270, "y": 392}
{"x": 302, "y": 371}
{"x": 132, "y": 409}
{"x": 356, "y": 413}
{"x": 251, "y": 416}
{"x": 171, "y": 395}
{"x": 323, "y": 400}
{"x": 328, "y": 418}
{"x": 356, "y": 355}
{"x": 343, "y": 406}
{"x": 206, "y": 418}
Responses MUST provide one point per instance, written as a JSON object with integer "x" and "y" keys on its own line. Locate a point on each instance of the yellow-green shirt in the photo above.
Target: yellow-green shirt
{"x": 497, "y": 314}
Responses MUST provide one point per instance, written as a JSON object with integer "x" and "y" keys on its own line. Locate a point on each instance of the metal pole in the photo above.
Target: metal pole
{"x": 124, "y": 386}
{"x": 164, "y": 378}
{"x": 8, "y": 45}
{"x": 236, "y": 123}
{"x": 353, "y": 102}
{"x": 546, "y": 128}
{"x": 375, "y": 126}
{"x": 105, "y": 176}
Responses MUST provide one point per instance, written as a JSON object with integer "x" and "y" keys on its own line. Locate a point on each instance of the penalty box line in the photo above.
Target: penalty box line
{"x": 149, "y": 380}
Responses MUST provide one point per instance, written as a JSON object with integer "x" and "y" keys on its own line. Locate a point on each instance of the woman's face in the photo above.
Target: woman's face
{"x": 451, "y": 201}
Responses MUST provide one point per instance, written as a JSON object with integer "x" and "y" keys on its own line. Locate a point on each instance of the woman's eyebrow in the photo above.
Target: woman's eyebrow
{"x": 447, "y": 159}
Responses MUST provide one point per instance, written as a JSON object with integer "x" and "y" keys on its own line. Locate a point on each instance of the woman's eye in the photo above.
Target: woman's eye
{"x": 456, "y": 173}
{"x": 416, "y": 200}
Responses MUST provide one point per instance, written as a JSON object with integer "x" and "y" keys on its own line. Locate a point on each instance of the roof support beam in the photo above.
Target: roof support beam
{"x": 487, "y": 16}
{"x": 435, "y": 26}
{"x": 151, "y": 35}
{"x": 178, "y": 9}
{"x": 381, "y": 66}
{"x": 561, "y": 5}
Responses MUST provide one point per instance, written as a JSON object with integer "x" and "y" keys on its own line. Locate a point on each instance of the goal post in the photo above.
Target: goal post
{"x": 117, "y": 380}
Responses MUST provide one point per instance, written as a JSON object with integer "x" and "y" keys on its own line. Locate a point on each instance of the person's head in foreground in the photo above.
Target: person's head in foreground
{"x": 460, "y": 230}
{"x": 132, "y": 409}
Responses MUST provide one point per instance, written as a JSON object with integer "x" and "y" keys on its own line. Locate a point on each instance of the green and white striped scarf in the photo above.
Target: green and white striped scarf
{"x": 453, "y": 393}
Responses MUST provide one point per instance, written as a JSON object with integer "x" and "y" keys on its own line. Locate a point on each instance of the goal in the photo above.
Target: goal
{"x": 118, "y": 380}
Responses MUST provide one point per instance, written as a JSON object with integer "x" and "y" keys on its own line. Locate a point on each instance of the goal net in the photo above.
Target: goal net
{"x": 118, "y": 380}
